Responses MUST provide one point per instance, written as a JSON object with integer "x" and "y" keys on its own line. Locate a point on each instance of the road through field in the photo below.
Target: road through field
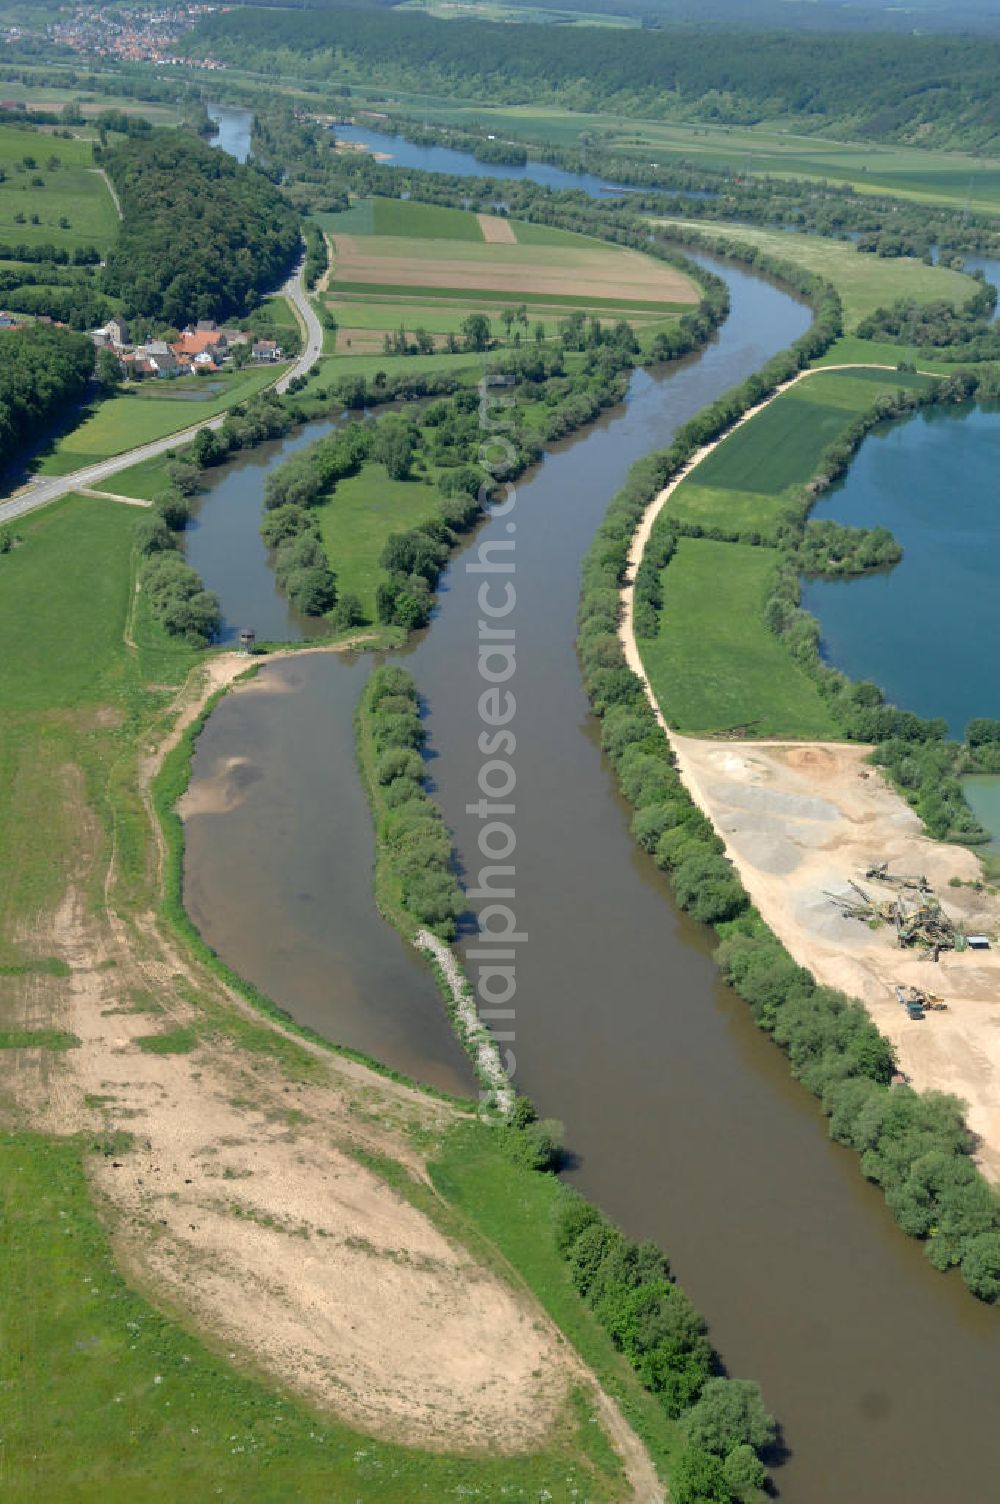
{"x": 44, "y": 489}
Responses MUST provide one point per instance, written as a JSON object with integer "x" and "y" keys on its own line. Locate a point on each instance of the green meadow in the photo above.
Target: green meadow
{"x": 48, "y": 177}
{"x": 744, "y": 484}
{"x": 142, "y": 413}
{"x": 357, "y": 520}
{"x": 715, "y": 666}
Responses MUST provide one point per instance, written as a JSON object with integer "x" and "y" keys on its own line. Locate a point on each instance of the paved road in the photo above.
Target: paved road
{"x": 45, "y": 488}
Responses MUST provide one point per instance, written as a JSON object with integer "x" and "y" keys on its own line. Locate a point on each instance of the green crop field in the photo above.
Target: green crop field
{"x": 141, "y": 414}
{"x": 715, "y": 665}
{"x": 783, "y": 444}
{"x": 394, "y": 216}
{"x": 429, "y": 256}
{"x": 864, "y": 282}
{"x": 53, "y": 179}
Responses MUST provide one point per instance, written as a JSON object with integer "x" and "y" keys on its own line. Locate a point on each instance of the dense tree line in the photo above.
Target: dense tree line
{"x": 42, "y": 372}
{"x": 317, "y": 255}
{"x": 878, "y": 87}
{"x": 176, "y": 591}
{"x": 414, "y": 846}
{"x": 634, "y": 1296}
{"x": 202, "y": 237}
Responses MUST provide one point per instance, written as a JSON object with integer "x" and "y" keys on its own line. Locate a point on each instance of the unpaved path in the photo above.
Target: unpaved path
{"x": 799, "y": 820}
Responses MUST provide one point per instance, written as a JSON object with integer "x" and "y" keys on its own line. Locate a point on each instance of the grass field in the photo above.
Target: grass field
{"x": 864, "y": 282}
{"x": 357, "y": 520}
{"x": 715, "y": 665}
{"x": 782, "y": 446}
{"x": 67, "y": 691}
{"x": 62, "y": 184}
{"x": 138, "y": 415}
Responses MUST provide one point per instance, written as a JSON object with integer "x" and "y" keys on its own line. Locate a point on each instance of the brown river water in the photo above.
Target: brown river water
{"x": 682, "y": 1118}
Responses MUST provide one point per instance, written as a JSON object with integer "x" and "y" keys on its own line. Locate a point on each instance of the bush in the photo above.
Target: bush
{"x": 729, "y": 1413}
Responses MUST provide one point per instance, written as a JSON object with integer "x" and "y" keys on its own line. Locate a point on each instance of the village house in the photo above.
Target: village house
{"x": 265, "y": 349}
{"x": 210, "y": 343}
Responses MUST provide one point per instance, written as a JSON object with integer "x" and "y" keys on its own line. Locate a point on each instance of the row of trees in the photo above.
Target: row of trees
{"x": 203, "y": 236}
{"x": 650, "y": 1319}
{"x": 176, "y": 591}
{"x": 414, "y": 847}
{"x": 43, "y": 371}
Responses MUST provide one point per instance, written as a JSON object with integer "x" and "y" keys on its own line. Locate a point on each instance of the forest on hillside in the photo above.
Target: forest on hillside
{"x": 202, "y": 236}
{"x": 878, "y": 87}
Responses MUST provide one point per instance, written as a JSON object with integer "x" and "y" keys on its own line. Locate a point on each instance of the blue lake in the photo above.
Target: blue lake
{"x": 927, "y": 631}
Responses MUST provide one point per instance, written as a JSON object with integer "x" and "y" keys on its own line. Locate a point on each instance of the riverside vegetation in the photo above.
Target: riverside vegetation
{"x": 91, "y": 709}
{"x": 724, "y": 1426}
{"x": 914, "y": 1145}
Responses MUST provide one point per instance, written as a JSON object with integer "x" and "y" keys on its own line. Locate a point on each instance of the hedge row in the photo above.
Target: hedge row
{"x": 414, "y": 860}
{"x": 652, "y": 1321}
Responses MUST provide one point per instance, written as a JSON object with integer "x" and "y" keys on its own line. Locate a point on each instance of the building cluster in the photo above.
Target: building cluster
{"x": 201, "y": 347}
{"x": 135, "y": 36}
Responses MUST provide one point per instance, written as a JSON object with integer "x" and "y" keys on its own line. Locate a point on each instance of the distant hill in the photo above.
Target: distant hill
{"x": 932, "y": 90}
{"x": 954, "y": 17}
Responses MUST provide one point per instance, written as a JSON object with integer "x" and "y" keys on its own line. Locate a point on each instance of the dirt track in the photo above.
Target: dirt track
{"x": 801, "y": 819}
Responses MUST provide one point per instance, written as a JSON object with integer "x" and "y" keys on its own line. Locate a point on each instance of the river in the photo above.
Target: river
{"x": 683, "y": 1120}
